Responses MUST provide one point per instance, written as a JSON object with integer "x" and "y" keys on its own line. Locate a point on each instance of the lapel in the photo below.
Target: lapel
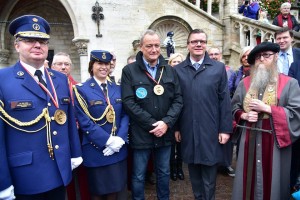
{"x": 111, "y": 90}
{"x": 28, "y": 81}
{"x": 96, "y": 89}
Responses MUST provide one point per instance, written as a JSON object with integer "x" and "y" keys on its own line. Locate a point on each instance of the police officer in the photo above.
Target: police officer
{"x": 104, "y": 126}
{"x": 39, "y": 143}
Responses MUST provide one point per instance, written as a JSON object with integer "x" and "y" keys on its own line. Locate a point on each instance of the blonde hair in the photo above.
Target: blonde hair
{"x": 244, "y": 50}
{"x": 175, "y": 55}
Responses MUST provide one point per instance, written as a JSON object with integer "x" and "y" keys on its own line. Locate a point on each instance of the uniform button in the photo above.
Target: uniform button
{"x": 52, "y": 118}
{"x": 49, "y": 104}
{"x": 87, "y": 132}
{"x": 54, "y": 132}
{"x": 56, "y": 147}
{"x": 258, "y": 161}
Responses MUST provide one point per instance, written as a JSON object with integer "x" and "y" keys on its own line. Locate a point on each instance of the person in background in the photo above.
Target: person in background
{"x": 264, "y": 19}
{"x": 287, "y": 54}
{"x": 152, "y": 98}
{"x": 39, "y": 143}
{"x": 131, "y": 59}
{"x": 113, "y": 63}
{"x": 62, "y": 63}
{"x": 215, "y": 54}
{"x": 176, "y": 159}
{"x": 242, "y": 72}
{"x": 285, "y": 19}
{"x": 266, "y": 107}
{"x": 250, "y": 9}
{"x": 104, "y": 126}
{"x": 205, "y": 122}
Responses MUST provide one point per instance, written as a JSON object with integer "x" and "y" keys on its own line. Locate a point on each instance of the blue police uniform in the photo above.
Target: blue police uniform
{"x": 97, "y": 132}
{"x": 24, "y": 154}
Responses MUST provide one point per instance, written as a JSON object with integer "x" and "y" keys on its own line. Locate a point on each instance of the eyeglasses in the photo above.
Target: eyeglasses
{"x": 62, "y": 63}
{"x": 214, "y": 54}
{"x": 32, "y": 41}
{"x": 265, "y": 55}
{"x": 195, "y": 42}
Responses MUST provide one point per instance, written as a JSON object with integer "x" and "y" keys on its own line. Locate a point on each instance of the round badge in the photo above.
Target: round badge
{"x": 141, "y": 93}
{"x": 60, "y": 117}
{"x": 158, "y": 89}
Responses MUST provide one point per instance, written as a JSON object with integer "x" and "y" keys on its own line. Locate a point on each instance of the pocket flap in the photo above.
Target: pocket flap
{"x": 20, "y": 159}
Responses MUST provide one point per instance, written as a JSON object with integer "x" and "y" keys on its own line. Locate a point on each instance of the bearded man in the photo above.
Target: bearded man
{"x": 266, "y": 107}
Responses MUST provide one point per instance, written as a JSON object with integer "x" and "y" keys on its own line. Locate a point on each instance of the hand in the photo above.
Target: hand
{"x": 223, "y": 138}
{"x": 75, "y": 162}
{"x": 251, "y": 116}
{"x": 108, "y": 151}
{"x": 160, "y": 129}
{"x": 259, "y": 106}
{"x": 177, "y": 136}
{"x": 8, "y": 193}
{"x": 115, "y": 143}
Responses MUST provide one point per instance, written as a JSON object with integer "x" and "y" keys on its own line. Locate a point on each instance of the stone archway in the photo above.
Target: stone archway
{"x": 180, "y": 28}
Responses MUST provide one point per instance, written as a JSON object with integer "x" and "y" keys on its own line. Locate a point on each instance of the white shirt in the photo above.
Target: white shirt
{"x": 32, "y": 70}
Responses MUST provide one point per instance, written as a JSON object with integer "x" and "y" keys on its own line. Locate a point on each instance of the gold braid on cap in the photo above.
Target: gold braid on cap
{"x": 84, "y": 107}
{"x": 45, "y": 114}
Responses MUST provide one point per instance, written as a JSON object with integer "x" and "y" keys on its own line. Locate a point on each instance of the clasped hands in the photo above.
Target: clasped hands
{"x": 113, "y": 144}
{"x": 160, "y": 128}
{"x": 256, "y": 106}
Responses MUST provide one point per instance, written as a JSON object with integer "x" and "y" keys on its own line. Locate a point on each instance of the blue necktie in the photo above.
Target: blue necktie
{"x": 285, "y": 64}
{"x": 196, "y": 66}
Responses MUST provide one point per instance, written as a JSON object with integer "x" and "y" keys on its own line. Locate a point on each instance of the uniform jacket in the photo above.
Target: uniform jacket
{"x": 145, "y": 108}
{"x": 25, "y": 161}
{"x": 94, "y": 134}
{"x": 206, "y": 111}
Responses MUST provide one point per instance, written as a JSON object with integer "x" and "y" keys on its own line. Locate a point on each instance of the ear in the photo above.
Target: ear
{"x": 17, "y": 47}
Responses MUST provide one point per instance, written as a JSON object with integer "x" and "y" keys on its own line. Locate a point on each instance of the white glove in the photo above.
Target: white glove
{"x": 108, "y": 151}
{"x": 75, "y": 162}
{"x": 117, "y": 144}
{"x": 8, "y": 193}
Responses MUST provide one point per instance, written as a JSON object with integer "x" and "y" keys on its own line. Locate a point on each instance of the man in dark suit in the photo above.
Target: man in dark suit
{"x": 284, "y": 37}
{"x": 287, "y": 55}
{"x": 38, "y": 135}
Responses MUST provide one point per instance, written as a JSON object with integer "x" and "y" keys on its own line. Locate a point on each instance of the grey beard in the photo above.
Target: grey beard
{"x": 260, "y": 79}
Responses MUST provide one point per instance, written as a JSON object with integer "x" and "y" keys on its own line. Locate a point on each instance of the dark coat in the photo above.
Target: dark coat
{"x": 145, "y": 108}
{"x": 31, "y": 170}
{"x": 206, "y": 111}
{"x": 296, "y": 26}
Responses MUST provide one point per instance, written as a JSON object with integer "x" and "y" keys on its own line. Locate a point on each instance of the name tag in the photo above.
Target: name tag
{"x": 65, "y": 100}
{"x": 96, "y": 102}
{"x": 21, "y": 104}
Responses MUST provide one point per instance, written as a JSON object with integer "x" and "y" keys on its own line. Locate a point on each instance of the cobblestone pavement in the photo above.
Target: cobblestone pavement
{"x": 182, "y": 189}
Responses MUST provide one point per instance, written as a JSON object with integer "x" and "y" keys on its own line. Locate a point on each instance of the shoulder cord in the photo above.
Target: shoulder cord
{"x": 44, "y": 114}
{"x": 84, "y": 107}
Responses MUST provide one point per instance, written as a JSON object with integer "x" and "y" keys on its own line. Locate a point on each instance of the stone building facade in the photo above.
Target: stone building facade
{"x": 74, "y": 31}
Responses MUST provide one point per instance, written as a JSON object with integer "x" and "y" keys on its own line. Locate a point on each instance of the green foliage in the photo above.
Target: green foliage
{"x": 273, "y": 6}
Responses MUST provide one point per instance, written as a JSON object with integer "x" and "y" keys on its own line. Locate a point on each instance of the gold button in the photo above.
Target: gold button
{"x": 56, "y": 147}
{"x": 49, "y": 104}
{"x": 54, "y": 132}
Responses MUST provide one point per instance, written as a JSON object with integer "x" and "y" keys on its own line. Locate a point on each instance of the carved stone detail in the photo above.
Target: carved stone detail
{"x": 4, "y": 55}
{"x": 81, "y": 45}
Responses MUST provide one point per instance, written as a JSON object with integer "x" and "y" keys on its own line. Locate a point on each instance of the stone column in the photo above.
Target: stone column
{"x": 82, "y": 44}
{"x": 209, "y": 5}
{"x": 198, "y": 3}
{"x": 4, "y": 55}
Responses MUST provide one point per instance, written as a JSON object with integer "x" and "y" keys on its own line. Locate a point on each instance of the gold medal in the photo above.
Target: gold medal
{"x": 60, "y": 117}
{"x": 158, "y": 89}
{"x": 110, "y": 115}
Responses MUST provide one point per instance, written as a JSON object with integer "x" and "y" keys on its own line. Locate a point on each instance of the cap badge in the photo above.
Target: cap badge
{"x": 35, "y": 19}
{"x": 103, "y": 56}
{"x": 36, "y": 27}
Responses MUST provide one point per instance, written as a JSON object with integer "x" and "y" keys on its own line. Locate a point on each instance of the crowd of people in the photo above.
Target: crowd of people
{"x": 104, "y": 132}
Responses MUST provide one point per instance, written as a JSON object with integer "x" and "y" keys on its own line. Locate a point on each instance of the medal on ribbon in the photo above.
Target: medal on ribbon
{"x": 60, "y": 117}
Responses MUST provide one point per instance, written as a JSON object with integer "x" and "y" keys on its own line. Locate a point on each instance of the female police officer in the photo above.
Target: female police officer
{"x": 104, "y": 126}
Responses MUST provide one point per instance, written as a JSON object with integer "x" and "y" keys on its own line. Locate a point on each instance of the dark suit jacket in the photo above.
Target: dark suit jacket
{"x": 296, "y": 54}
